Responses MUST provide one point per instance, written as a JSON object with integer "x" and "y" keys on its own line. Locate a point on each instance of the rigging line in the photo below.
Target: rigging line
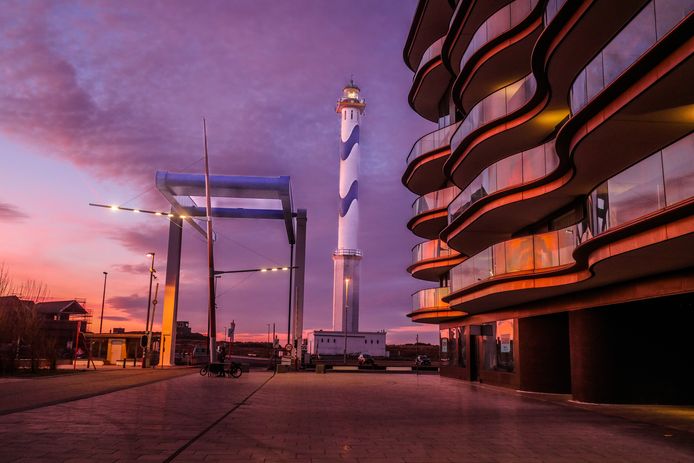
{"x": 247, "y": 248}
{"x": 148, "y": 189}
{"x": 236, "y": 285}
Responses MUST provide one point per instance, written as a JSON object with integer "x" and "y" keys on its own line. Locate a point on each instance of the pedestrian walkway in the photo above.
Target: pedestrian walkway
{"x": 329, "y": 418}
{"x": 17, "y": 394}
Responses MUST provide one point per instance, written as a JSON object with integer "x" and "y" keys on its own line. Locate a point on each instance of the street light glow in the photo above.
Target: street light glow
{"x": 114, "y": 208}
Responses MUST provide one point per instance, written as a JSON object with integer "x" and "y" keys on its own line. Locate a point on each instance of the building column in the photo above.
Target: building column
{"x": 298, "y": 316}
{"x": 169, "y": 312}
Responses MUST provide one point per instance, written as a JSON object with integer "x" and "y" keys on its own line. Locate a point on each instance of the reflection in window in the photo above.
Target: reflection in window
{"x": 444, "y": 354}
{"x": 679, "y": 170}
{"x": 497, "y": 346}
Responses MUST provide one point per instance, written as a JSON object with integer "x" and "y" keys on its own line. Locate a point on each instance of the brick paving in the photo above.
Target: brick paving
{"x": 330, "y": 418}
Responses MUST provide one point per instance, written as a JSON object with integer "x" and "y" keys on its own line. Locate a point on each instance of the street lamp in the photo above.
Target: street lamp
{"x": 149, "y": 307}
{"x": 103, "y": 301}
{"x": 344, "y": 326}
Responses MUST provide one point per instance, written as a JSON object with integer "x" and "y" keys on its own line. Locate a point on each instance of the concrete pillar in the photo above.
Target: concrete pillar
{"x": 300, "y": 262}
{"x": 173, "y": 271}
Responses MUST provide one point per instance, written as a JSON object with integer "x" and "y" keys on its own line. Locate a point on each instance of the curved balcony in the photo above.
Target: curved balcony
{"x": 429, "y": 214}
{"x": 430, "y": 83}
{"x": 428, "y": 306}
{"x": 622, "y": 114}
{"x": 519, "y": 169}
{"x": 576, "y": 31}
{"x": 425, "y": 161}
{"x": 499, "y": 52}
{"x": 652, "y": 23}
{"x": 432, "y": 259}
{"x": 466, "y": 19}
{"x": 519, "y": 256}
{"x": 430, "y": 22}
{"x": 643, "y": 211}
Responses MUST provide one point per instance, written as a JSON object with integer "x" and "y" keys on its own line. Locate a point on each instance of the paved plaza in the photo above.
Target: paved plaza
{"x": 328, "y": 418}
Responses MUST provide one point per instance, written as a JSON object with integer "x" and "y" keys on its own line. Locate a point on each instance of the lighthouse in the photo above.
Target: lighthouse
{"x": 345, "y": 339}
{"x": 347, "y": 257}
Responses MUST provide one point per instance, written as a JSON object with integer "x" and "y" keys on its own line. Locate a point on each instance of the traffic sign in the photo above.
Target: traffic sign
{"x": 288, "y": 347}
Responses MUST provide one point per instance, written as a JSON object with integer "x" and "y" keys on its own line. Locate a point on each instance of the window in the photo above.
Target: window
{"x": 497, "y": 346}
{"x": 376, "y": 341}
{"x": 351, "y": 114}
{"x": 364, "y": 341}
{"x": 372, "y": 341}
{"x": 321, "y": 339}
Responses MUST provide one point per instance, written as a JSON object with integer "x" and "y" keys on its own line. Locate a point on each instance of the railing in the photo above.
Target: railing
{"x": 500, "y": 103}
{"x": 515, "y": 170}
{"x": 430, "y": 299}
{"x": 347, "y": 252}
{"x": 432, "y": 141}
{"x": 661, "y": 180}
{"x": 432, "y": 52}
{"x": 502, "y": 21}
{"x": 434, "y": 249}
{"x": 525, "y": 254}
{"x": 439, "y": 199}
{"x": 652, "y": 23}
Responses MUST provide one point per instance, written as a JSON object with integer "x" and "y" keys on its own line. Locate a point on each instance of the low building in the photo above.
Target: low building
{"x": 339, "y": 342}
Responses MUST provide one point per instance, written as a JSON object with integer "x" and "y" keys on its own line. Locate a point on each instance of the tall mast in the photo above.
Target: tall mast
{"x": 211, "y": 314}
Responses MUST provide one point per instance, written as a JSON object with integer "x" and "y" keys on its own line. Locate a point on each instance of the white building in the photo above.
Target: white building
{"x": 339, "y": 342}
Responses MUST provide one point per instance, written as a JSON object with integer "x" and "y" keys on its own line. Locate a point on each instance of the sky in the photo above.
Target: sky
{"x": 98, "y": 96}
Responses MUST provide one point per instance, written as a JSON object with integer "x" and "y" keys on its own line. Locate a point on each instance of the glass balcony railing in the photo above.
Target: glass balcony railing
{"x": 661, "y": 180}
{"x": 502, "y": 21}
{"x": 515, "y": 170}
{"x": 439, "y": 199}
{"x": 500, "y": 103}
{"x": 551, "y": 9}
{"x": 525, "y": 254}
{"x": 432, "y": 52}
{"x": 428, "y": 250}
{"x": 430, "y": 299}
{"x": 432, "y": 141}
{"x": 652, "y": 23}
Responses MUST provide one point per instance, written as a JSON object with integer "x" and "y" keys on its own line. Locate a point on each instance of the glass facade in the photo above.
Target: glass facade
{"x": 497, "y": 346}
{"x": 662, "y": 179}
{"x": 552, "y": 8}
{"x": 502, "y": 21}
{"x": 652, "y": 23}
{"x": 512, "y": 171}
{"x": 495, "y": 106}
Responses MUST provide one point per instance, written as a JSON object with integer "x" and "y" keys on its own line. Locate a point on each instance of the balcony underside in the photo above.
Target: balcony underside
{"x": 435, "y": 316}
{"x": 429, "y": 224}
{"x": 429, "y": 86}
{"x": 425, "y": 173}
{"x": 600, "y": 262}
{"x": 434, "y": 269}
{"x": 429, "y": 23}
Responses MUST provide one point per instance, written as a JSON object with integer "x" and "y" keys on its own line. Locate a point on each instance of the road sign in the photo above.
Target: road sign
{"x": 288, "y": 347}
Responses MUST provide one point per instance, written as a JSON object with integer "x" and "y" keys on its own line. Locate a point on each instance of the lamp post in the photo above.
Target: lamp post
{"x": 103, "y": 301}
{"x": 149, "y": 307}
{"x": 344, "y": 326}
{"x": 101, "y": 318}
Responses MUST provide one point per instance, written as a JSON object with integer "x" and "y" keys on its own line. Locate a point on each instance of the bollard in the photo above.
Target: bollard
{"x": 124, "y": 363}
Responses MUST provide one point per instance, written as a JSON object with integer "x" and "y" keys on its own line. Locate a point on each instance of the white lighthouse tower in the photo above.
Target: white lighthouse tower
{"x": 347, "y": 256}
{"x": 345, "y": 339}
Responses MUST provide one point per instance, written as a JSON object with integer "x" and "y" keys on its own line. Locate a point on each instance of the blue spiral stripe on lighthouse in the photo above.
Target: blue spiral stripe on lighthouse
{"x": 346, "y": 146}
{"x": 352, "y": 195}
